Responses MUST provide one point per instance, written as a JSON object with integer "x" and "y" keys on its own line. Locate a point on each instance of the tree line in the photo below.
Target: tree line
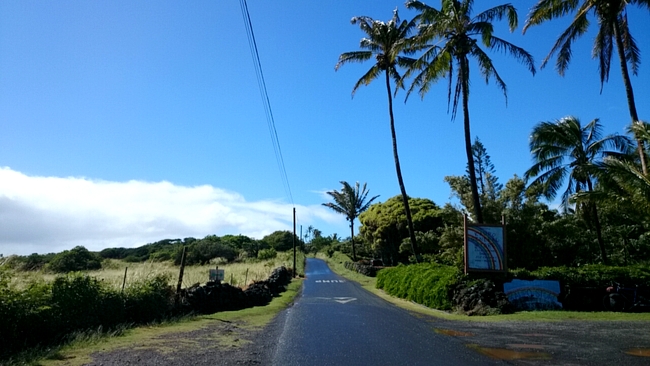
{"x": 227, "y": 248}
{"x": 439, "y": 43}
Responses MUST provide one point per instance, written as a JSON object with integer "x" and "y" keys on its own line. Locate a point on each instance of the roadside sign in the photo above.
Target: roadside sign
{"x": 485, "y": 247}
{"x": 217, "y": 274}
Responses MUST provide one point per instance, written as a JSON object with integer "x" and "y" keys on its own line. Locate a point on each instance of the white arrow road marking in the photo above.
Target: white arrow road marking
{"x": 340, "y": 300}
{"x": 344, "y": 300}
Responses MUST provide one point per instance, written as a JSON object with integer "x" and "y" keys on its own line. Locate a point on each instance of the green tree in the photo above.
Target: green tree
{"x": 202, "y": 251}
{"x": 385, "y": 41}
{"x": 613, "y": 29}
{"x": 282, "y": 240}
{"x": 488, "y": 185}
{"x": 350, "y": 202}
{"x": 622, "y": 181}
{"x": 564, "y": 148}
{"x": 457, "y": 34}
{"x": 75, "y": 259}
{"x": 384, "y": 225}
{"x": 488, "y": 182}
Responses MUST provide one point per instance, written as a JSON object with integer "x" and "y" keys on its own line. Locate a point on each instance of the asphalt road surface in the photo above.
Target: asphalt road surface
{"x": 336, "y": 322}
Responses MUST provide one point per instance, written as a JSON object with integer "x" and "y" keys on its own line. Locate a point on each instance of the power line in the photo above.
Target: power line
{"x": 265, "y": 99}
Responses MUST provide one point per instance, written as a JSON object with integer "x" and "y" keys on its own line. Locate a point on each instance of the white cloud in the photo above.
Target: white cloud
{"x": 51, "y": 214}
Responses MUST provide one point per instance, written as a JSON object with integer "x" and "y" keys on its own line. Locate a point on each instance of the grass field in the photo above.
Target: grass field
{"x": 239, "y": 274}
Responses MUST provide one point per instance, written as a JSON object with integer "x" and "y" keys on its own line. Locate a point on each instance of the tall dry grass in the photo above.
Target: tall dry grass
{"x": 239, "y": 274}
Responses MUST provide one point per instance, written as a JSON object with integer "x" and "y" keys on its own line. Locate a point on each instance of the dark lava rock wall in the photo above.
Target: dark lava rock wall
{"x": 214, "y": 297}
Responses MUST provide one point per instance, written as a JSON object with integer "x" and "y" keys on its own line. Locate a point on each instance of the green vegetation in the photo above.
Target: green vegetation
{"x": 267, "y": 254}
{"x": 82, "y": 345}
{"x": 336, "y": 261}
{"x": 613, "y": 31}
{"x": 605, "y": 208}
{"x": 428, "y": 284}
{"x": 383, "y": 229}
{"x": 211, "y": 250}
{"x": 61, "y": 306}
{"x": 565, "y": 148}
{"x": 76, "y": 259}
{"x": 388, "y": 43}
{"x": 451, "y": 36}
{"x": 350, "y": 202}
{"x": 591, "y": 275}
{"x": 73, "y": 303}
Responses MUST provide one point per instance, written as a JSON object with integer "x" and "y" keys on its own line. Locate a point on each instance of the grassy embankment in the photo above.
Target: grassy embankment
{"x": 152, "y": 337}
{"x": 370, "y": 284}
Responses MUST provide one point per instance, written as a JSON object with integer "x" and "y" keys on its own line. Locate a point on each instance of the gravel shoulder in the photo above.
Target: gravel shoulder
{"x": 220, "y": 343}
{"x": 554, "y": 343}
{"x": 514, "y": 342}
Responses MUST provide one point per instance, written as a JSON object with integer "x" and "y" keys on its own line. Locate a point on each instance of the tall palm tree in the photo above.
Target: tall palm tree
{"x": 613, "y": 29}
{"x": 621, "y": 179}
{"x": 350, "y": 202}
{"x": 460, "y": 34}
{"x": 386, "y": 41}
{"x": 565, "y": 148}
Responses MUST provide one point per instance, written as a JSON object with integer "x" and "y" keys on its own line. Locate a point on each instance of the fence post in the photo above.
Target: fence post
{"x": 124, "y": 281}
{"x": 246, "y": 280}
{"x": 180, "y": 275}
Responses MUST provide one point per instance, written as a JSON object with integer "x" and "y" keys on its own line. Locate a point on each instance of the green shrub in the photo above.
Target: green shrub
{"x": 592, "y": 275}
{"x": 77, "y": 301}
{"x": 76, "y": 259}
{"x": 148, "y": 300}
{"x": 428, "y": 284}
{"x": 26, "y": 319}
{"x": 267, "y": 254}
{"x": 42, "y": 314}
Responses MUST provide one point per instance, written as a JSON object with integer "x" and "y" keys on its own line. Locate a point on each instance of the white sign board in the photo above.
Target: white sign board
{"x": 217, "y": 274}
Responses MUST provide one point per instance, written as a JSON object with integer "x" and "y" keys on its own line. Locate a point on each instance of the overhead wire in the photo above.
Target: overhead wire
{"x": 265, "y": 99}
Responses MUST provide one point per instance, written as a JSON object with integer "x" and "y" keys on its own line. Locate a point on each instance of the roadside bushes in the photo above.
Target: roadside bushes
{"x": 265, "y": 254}
{"x": 429, "y": 284}
{"x": 591, "y": 275}
{"x": 42, "y": 314}
{"x": 45, "y": 313}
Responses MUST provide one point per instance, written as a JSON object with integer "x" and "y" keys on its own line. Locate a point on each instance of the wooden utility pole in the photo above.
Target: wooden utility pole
{"x": 180, "y": 275}
{"x": 294, "y": 242}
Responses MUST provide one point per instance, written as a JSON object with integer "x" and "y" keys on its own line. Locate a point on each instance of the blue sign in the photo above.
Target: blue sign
{"x": 533, "y": 295}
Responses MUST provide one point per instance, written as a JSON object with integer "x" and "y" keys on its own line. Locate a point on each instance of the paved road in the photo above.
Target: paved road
{"x": 336, "y": 322}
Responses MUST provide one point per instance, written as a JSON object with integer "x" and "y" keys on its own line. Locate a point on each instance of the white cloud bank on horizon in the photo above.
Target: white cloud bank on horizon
{"x": 51, "y": 214}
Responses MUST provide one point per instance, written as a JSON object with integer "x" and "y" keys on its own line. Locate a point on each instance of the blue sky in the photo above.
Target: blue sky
{"x": 126, "y": 122}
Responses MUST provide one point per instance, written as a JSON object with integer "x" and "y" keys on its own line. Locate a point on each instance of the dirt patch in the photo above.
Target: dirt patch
{"x": 553, "y": 343}
{"x": 220, "y": 343}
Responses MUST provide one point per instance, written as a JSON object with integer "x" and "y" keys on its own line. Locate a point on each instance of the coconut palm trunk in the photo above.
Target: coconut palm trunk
{"x": 405, "y": 197}
{"x": 599, "y": 230}
{"x": 464, "y": 80}
{"x": 629, "y": 92}
{"x": 354, "y": 252}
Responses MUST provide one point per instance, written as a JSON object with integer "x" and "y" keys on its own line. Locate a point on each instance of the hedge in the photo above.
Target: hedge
{"x": 592, "y": 275}
{"x": 428, "y": 284}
